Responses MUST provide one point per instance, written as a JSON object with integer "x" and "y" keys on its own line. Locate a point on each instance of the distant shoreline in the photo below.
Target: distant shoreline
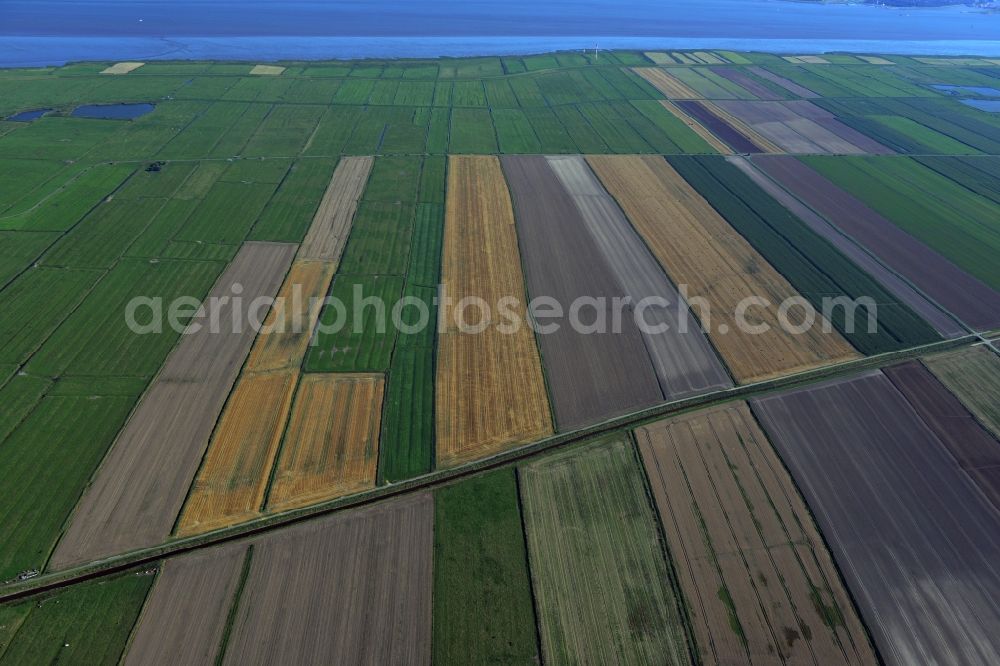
{"x": 55, "y": 51}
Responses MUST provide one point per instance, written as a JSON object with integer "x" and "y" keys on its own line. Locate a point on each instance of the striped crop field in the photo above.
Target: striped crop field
{"x": 684, "y": 233}
{"x": 489, "y": 390}
{"x": 665, "y": 356}
{"x": 331, "y": 447}
{"x": 603, "y": 587}
{"x": 753, "y": 568}
{"x": 231, "y": 484}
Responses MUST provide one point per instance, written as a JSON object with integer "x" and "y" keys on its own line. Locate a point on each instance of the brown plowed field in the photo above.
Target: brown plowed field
{"x": 592, "y": 376}
{"x": 669, "y": 85}
{"x": 699, "y": 249}
{"x": 140, "y": 487}
{"x": 489, "y": 390}
{"x": 751, "y": 564}
{"x": 283, "y": 341}
{"x": 332, "y": 223}
{"x": 185, "y": 615}
{"x": 684, "y": 361}
{"x": 331, "y": 447}
{"x": 697, "y": 127}
{"x": 736, "y": 75}
{"x": 353, "y": 588}
{"x": 233, "y": 478}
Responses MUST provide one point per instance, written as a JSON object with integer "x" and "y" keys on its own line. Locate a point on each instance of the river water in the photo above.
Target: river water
{"x": 40, "y": 32}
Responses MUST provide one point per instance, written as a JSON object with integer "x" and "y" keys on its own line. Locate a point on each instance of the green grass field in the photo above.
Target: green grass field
{"x": 602, "y": 584}
{"x": 483, "y": 611}
{"x": 85, "y": 624}
{"x": 48, "y": 460}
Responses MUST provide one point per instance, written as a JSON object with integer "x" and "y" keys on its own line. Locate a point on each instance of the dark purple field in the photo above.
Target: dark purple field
{"x": 960, "y": 293}
{"x": 973, "y": 446}
{"x": 916, "y": 540}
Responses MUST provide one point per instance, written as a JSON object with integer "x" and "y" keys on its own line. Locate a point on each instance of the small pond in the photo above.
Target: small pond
{"x": 25, "y": 116}
{"x": 992, "y": 105}
{"x": 112, "y": 111}
{"x": 968, "y": 90}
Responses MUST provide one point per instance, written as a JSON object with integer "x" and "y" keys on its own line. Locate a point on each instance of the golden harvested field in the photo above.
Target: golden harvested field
{"x": 743, "y": 128}
{"x": 489, "y": 391}
{"x": 332, "y": 223}
{"x": 699, "y": 249}
{"x": 760, "y": 585}
{"x": 697, "y": 127}
{"x": 669, "y": 85}
{"x": 232, "y": 481}
{"x": 122, "y": 68}
{"x": 331, "y": 447}
{"x": 284, "y": 340}
{"x": 267, "y": 70}
{"x": 231, "y": 484}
